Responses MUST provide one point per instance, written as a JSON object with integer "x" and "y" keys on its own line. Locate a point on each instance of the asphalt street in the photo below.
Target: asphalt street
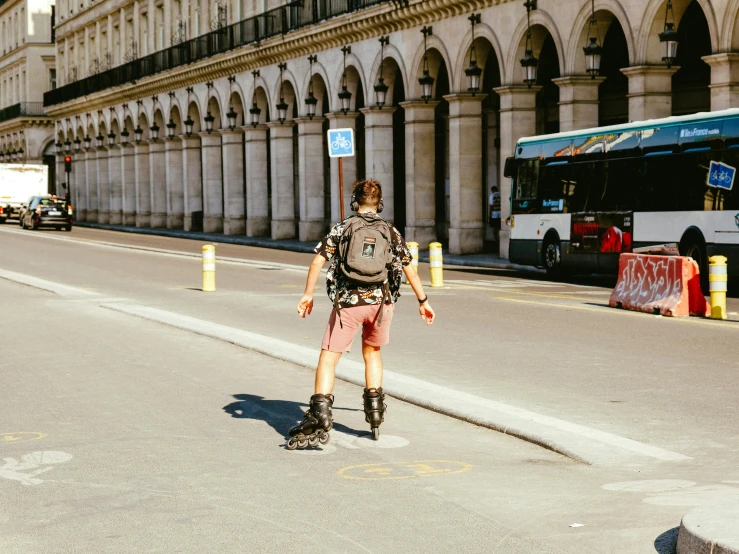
{"x": 122, "y": 435}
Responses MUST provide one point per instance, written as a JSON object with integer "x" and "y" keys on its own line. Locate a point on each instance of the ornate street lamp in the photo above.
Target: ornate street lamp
{"x": 231, "y": 114}
{"x": 87, "y": 140}
{"x": 68, "y": 146}
{"x": 124, "y": 136}
{"x": 189, "y": 123}
{"x": 77, "y": 144}
{"x": 154, "y": 131}
{"x": 139, "y": 132}
{"x": 58, "y": 146}
{"x": 593, "y": 50}
{"x": 669, "y": 37}
{"x": 12, "y": 154}
{"x": 254, "y": 111}
{"x": 311, "y": 101}
{"x": 381, "y": 88}
{"x": 171, "y": 127}
{"x": 209, "y": 119}
{"x": 345, "y": 96}
{"x": 282, "y": 107}
{"x": 529, "y": 63}
{"x": 100, "y": 138}
{"x": 2, "y": 156}
{"x": 21, "y": 152}
{"x": 473, "y": 72}
{"x": 111, "y": 139}
{"x": 426, "y": 81}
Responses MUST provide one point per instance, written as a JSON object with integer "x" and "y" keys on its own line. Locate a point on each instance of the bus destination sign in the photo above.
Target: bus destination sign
{"x": 721, "y": 176}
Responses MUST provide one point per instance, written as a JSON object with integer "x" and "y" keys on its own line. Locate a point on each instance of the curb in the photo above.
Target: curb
{"x": 710, "y": 529}
{"x": 302, "y": 247}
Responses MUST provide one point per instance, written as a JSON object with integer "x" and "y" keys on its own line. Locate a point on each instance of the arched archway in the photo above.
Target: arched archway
{"x": 613, "y": 102}
{"x": 690, "y": 84}
{"x": 547, "y": 99}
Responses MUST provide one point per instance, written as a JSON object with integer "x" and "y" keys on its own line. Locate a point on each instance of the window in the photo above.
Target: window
{"x": 53, "y": 23}
{"x": 52, "y": 79}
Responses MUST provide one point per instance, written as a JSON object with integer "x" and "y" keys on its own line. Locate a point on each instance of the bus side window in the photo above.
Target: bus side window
{"x": 620, "y": 184}
{"x": 526, "y": 179}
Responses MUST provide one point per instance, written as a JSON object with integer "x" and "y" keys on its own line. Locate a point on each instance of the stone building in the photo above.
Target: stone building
{"x": 198, "y": 114}
{"x": 27, "y": 70}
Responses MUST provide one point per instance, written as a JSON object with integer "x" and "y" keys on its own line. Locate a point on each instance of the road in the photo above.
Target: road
{"x": 169, "y": 441}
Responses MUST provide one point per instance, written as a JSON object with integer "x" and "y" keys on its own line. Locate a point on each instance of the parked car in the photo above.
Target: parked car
{"x": 46, "y": 211}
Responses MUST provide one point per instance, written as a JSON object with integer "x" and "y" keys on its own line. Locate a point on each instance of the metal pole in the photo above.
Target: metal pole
{"x": 341, "y": 188}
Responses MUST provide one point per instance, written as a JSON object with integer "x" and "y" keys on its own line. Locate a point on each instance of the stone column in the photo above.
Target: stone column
{"x": 212, "y": 182}
{"x": 61, "y": 176}
{"x": 724, "y": 80}
{"x": 650, "y": 91}
{"x": 157, "y": 183}
{"x": 175, "y": 183}
{"x": 465, "y": 173}
{"x": 378, "y": 138}
{"x": 517, "y": 119}
{"x": 283, "y": 185}
{"x": 340, "y": 121}
{"x": 578, "y": 102}
{"x": 103, "y": 186}
{"x": 143, "y": 184}
{"x": 91, "y": 187}
{"x": 257, "y": 182}
{"x": 234, "y": 218}
{"x": 192, "y": 178}
{"x": 78, "y": 181}
{"x": 420, "y": 172}
{"x": 128, "y": 183}
{"x": 311, "y": 175}
{"x": 116, "y": 185}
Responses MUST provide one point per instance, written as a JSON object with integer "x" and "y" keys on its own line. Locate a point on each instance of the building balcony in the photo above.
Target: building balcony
{"x": 253, "y": 30}
{"x": 22, "y": 109}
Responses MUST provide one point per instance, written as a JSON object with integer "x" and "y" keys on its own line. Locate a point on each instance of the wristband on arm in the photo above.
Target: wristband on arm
{"x": 422, "y": 300}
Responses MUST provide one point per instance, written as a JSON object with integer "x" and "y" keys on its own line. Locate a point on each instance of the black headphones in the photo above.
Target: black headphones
{"x": 354, "y": 205}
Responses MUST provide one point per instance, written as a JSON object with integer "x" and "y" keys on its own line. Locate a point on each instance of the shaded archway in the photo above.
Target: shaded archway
{"x": 442, "y": 87}
{"x": 613, "y": 106}
{"x": 547, "y": 99}
{"x": 690, "y": 84}
{"x": 192, "y": 168}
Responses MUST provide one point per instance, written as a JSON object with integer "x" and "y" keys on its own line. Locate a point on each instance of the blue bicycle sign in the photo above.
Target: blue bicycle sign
{"x": 340, "y": 143}
{"x": 721, "y": 175}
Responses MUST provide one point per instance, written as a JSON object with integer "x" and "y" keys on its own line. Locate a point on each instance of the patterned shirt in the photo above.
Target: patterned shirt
{"x": 349, "y": 293}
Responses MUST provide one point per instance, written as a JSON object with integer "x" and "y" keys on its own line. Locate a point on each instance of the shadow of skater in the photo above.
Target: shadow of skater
{"x": 281, "y": 415}
{"x": 666, "y": 543}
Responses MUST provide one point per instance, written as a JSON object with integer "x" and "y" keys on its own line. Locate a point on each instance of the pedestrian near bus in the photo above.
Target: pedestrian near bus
{"x": 367, "y": 258}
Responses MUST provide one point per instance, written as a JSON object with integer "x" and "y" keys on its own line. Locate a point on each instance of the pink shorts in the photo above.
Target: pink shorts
{"x": 339, "y": 338}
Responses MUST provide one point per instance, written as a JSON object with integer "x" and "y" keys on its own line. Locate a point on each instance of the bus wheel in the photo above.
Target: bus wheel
{"x": 552, "y": 256}
{"x": 694, "y": 247}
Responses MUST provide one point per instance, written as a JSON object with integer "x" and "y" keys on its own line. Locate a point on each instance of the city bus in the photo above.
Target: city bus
{"x": 581, "y": 198}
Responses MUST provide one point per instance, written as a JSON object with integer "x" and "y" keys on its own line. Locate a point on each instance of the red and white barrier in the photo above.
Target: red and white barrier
{"x": 668, "y": 284}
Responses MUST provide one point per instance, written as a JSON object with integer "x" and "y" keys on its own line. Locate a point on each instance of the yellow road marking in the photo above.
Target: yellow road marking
{"x": 385, "y": 471}
{"x": 609, "y": 310}
{"x": 21, "y": 436}
{"x": 553, "y": 295}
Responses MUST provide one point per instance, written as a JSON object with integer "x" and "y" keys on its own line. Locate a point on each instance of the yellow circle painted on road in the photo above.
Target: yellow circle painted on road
{"x": 20, "y": 436}
{"x": 385, "y": 471}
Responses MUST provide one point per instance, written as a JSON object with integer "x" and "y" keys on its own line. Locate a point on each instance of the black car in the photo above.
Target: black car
{"x": 46, "y": 211}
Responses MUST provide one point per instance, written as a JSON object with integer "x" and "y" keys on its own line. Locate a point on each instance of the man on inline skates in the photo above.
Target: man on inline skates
{"x": 368, "y": 257}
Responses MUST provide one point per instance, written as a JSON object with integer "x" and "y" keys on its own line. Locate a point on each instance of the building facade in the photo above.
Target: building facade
{"x": 197, "y": 114}
{"x": 27, "y": 71}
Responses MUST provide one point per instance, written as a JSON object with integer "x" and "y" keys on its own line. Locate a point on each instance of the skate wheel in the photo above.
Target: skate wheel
{"x": 324, "y": 438}
{"x": 302, "y": 443}
{"x": 313, "y": 441}
{"x": 375, "y": 433}
{"x": 292, "y": 444}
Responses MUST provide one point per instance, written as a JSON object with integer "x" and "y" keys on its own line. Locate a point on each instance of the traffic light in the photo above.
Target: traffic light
{"x": 67, "y": 164}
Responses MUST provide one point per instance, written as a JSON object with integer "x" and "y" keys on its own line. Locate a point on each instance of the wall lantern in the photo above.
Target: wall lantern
{"x": 139, "y": 132}
{"x": 529, "y": 63}
{"x": 100, "y": 138}
{"x": 282, "y": 107}
{"x": 21, "y": 152}
{"x": 12, "y": 154}
{"x": 231, "y": 114}
{"x": 171, "y": 127}
{"x": 77, "y": 144}
{"x": 2, "y": 156}
{"x": 426, "y": 81}
{"x": 669, "y": 37}
{"x": 311, "y": 101}
{"x": 189, "y": 123}
{"x": 124, "y": 136}
{"x": 58, "y": 146}
{"x": 473, "y": 72}
{"x": 209, "y": 119}
{"x": 254, "y": 111}
{"x": 593, "y": 50}
{"x": 87, "y": 140}
{"x": 381, "y": 88}
{"x": 111, "y": 139}
{"x": 345, "y": 96}
{"x": 68, "y": 146}
{"x": 154, "y": 131}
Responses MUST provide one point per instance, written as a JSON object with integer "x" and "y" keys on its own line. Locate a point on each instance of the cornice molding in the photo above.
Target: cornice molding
{"x": 350, "y": 28}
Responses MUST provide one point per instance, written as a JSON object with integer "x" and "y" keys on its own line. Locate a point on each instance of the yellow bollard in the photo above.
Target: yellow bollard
{"x": 209, "y": 268}
{"x": 437, "y": 264}
{"x": 413, "y": 247}
{"x": 717, "y": 281}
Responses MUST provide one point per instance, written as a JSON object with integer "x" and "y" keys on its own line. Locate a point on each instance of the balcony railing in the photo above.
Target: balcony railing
{"x": 274, "y": 22}
{"x": 22, "y": 109}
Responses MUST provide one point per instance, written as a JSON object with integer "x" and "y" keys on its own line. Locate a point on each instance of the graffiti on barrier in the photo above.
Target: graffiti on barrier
{"x": 651, "y": 282}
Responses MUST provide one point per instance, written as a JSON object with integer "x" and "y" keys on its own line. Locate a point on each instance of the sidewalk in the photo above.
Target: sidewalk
{"x": 472, "y": 260}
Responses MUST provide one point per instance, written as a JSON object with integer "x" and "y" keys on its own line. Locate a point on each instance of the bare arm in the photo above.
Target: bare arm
{"x": 427, "y": 313}
{"x": 305, "y": 306}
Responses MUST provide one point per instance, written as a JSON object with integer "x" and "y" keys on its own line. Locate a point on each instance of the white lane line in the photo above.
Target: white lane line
{"x": 163, "y": 252}
{"x": 49, "y": 286}
{"x": 559, "y": 435}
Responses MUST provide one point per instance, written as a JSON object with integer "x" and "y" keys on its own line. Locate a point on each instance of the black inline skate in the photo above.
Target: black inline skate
{"x": 374, "y": 409}
{"x": 316, "y": 424}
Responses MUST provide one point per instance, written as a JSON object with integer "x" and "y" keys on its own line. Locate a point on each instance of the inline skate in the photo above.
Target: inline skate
{"x": 374, "y": 409}
{"x": 316, "y": 424}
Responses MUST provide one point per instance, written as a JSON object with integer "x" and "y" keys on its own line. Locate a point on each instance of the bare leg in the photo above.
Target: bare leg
{"x": 372, "y": 366}
{"x": 326, "y": 371}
